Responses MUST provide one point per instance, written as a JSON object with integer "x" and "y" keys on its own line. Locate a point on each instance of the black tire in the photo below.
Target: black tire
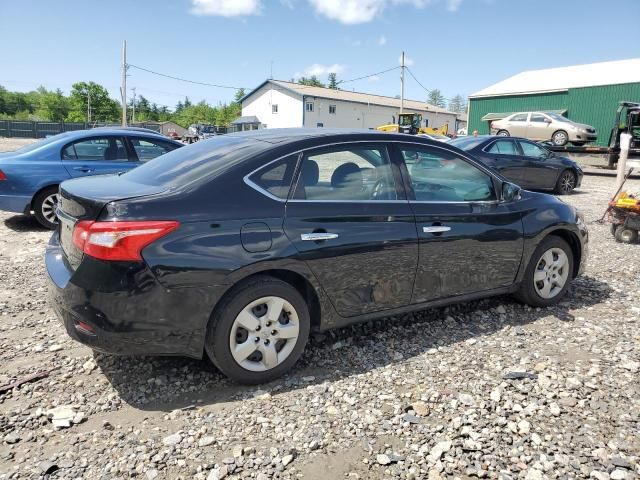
{"x": 527, "y": 292}
{"x": 566, "y": 182}
{"x": 503, "y": 133}
{"x": 40, "y": 206}
{"x": 626, "y": 235}
{"x": 560, "y": 138}
{"x": 220, "y": 326}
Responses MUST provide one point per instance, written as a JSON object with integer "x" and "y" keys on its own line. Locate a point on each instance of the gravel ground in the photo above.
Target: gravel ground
{"x": 488, "y": 389}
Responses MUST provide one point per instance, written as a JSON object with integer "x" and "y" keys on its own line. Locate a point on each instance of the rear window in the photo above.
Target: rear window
{"x": 466, "y": 143}
{"x": 200, "y": 160}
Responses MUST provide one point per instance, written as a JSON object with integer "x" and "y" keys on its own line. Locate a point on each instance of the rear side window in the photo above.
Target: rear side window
{"x": 147, "y": 149}
{"x": 202, "y": 160}
{"x": 276, "y": 177}
{"x": 96, "y": 149}
{"x": 521, "y": 117}
{"x": 503, "y": 147}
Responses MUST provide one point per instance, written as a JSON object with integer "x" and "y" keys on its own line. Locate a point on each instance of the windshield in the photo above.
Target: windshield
{"x": 197, "y": 161}
{"x": 466, "y": 143}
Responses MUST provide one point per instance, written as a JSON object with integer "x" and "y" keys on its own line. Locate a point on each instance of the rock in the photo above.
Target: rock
{"x": 573, "y": 383}
{"x": 411, "y": 418}
{"x": 439, "y": 448}
{"x": 11, "y": 438}
{"x": 501, "y": 310}
{"x": 466, "y": 399}
{"x": 237, "y": 450}
{"x": 421, "y": 408}
{"x": 383, "y": 459}
{"x": 47, "y": 467}
{"x": 554, "y": 408}
{"x": 218, "y": 473}
{"x": 599, "y": 475}
{"x": 78, "y": 418}
{"x": 524, "y": 427}
{"x": 618, "y": 474}
{"x": 206, "y": 441}
{"x": 228, "y": 460}
{"x": 535, "y": 438}
{"x": 332, "y": 410}
{"x": 152, "y": 474}
{"x": 172, "y": 440}
{"x": 262, "y": 476}
{"x": 633, "y": 367}
{"x": 89, "y": 366}
{"x": 55, "y": 348}
{"x": 287, "y": 459}
{"x": 62, "y": 416}
{"x": 534, "y": 474}
{"x": 621, "y": 462}
{"x": 519, "y": 375}
{"x": 495, "y": 395}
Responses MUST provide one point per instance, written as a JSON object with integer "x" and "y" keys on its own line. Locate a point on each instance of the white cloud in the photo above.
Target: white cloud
{"x": 373, "y": 78}
{"x": 321, "y": 70}
{"x": 226, "y": 8}
{"x": 408, "y": 62}
{"x": 453, "y": 5}
{"x": 382, "y": 40}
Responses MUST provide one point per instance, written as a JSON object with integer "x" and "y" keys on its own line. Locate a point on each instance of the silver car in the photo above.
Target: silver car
{"x": 544, "y": 126}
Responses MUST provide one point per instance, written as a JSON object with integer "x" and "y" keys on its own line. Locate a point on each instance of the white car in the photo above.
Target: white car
{"x": 544, "y": 126}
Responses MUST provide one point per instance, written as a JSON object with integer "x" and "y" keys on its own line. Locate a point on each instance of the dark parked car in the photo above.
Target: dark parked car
{"x": 239, "y": 245}
{"x": 524, "y": 162}
{"x": 30, "y": 176}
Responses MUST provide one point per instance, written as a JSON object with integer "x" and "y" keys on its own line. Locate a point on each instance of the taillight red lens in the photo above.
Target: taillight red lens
{"x": 2, "y": 175}
{"x": 119, "y": 241}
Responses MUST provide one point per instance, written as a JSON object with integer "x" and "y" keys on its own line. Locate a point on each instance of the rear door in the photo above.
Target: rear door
{"x": 518, "y": 125}
{"x": 469, "y": 241}
{"x": 351, "y": 223}
{"x": 96, "y": 155}
{"x": 504, "y": 156}
{"x": 538, "y": 173}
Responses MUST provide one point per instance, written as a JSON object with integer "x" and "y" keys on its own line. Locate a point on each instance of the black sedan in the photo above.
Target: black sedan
{"x": 524, "y": 162}
{"x": 240, "y": 245}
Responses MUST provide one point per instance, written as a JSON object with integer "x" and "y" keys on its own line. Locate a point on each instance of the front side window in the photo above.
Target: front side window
{"x": 503, "y": 147}
{"x": 276, "y": 177}
{"x": 309, "y": 106}
{"x": 347, "y": 173}
{"x": 520, "y": 117}
{"x": 538, "y": 117}
{"x": 441, "y": 176}
{"x": 96, "y": 149}
{"x": 148, "y": 149}
{"x": 532, "y": 150}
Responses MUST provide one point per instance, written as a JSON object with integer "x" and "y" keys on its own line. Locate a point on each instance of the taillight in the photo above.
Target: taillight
{"x": 2, "y": 175}
{"x": 118, "y": 241}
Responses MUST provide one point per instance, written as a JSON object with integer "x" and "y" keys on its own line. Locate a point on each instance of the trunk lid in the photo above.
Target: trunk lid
{"x": 85, "y": 198}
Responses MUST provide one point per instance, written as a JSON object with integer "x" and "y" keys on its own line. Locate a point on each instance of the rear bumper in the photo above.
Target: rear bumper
{"x": 15, "y": 203}
{"x": 128, "y": 312}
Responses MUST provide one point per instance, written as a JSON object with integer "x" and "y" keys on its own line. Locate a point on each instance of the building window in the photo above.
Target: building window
{"x": 319, "y": 125}
{"x": 332, "y": 109}
{"x": 309, "y": 107}
{"x": 274, "y": 108}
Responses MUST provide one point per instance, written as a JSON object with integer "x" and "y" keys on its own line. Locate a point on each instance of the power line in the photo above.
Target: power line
{"x": 186, "y": 80}
{"x": 368, "y": 76}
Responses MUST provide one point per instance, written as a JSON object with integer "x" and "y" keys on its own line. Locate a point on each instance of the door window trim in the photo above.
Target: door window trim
{"x": 392, "y": 157}
{"x": 122, "y": 138}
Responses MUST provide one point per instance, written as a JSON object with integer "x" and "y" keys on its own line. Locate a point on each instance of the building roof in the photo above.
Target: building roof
{"x": 564, "y": 78}
{"x": 349, "y": 96}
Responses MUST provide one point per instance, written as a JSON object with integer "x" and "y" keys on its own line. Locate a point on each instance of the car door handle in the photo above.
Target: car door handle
{"x": 436, "y": 229}
{"x": 318, "y": 236}
{"x": 83, "y": 169}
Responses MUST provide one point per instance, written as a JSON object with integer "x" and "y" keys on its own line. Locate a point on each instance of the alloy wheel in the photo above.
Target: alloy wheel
{"x": 551, "y": 273}
{"x": 264, "y": 334}
{"x": 49, "y": 205}
{"x": 559, "y": 138}
{"x": 567, "y": 182}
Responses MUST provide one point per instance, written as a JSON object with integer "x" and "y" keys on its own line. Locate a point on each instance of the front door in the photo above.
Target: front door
{"x": 538, "y": 127}
{"x": 538, "y": 172}
{"x": 96, "y": 155}
{"x": 354, "y": 227}
{"x": 469, "y": 241}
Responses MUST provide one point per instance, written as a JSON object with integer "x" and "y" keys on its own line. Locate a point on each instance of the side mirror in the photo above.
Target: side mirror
{"x": 547, "y": 120}
{"x": 510, "y": 192}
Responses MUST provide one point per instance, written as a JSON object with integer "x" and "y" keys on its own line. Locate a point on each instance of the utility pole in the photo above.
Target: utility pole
{"x": 402, "y": 82}
{"x": 133, "y": 114}
{"x": 123, "y": 87}
{"x": 88, "y": 105}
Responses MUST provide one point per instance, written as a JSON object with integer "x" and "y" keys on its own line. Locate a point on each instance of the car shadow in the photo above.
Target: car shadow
{"x": 24, "y": 223}
{"x": 171, "y": 383}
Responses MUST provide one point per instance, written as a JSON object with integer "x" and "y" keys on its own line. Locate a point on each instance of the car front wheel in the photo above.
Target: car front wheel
{"x": 259, "y": 331}
{"x": 560, "y": 138}
{"x": 44, "y": 207}
{"x": 548, "y": 274}
{"x": 566, "y": 183}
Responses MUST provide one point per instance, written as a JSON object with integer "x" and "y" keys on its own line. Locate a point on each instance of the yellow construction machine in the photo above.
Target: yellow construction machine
{"x": 411, "y": 123}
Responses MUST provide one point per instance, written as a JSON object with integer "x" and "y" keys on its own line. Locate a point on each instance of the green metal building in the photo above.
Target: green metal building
{"x": 584, "y": 93}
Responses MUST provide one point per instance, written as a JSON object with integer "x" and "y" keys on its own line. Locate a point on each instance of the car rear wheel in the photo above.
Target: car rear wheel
{"x": 566, "y": 183}
{"x": 548, "y": 274}
{"x": 626, "y": 235}
{"x": 503, "y": 133}
{"x": 44, "y": 207}
{"x": 259, "y": 331}
{"x": 560, "y": 138}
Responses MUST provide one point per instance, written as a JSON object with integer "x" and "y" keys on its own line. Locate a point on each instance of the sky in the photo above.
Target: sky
{"x": 457, "y": 46}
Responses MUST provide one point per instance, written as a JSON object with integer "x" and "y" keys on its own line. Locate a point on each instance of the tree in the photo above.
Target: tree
{"x": 333, "y": 81}
{"x": 436, "y": 98}
{"x": 103, "y": 107}
{"x": 312, "y": 81}
{"x": 457, "y": 104}
{"x": 53, "y": 106}
{"x": 239, "y": 94}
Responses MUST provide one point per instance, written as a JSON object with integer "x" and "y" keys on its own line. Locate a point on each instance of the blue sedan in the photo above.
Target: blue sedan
{"x": 30, "y": 176}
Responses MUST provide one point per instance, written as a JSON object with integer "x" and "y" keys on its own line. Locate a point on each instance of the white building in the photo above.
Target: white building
{"x": 279, "y": 104}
